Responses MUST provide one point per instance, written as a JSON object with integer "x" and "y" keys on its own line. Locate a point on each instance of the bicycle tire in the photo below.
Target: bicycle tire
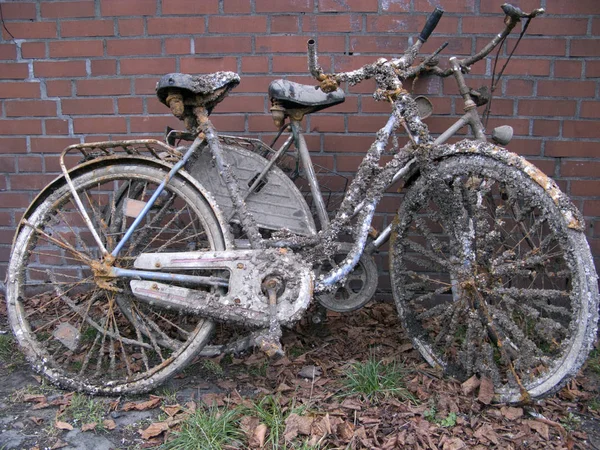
{"x": 77, "y": 332}
{"x": 489, "y": 280}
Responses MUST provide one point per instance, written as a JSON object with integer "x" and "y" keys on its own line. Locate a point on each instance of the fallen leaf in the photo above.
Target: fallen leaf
{"x": 40, "y": 405}
{"x": 295, "y": 425}
{"x": 469, "y": 386}
{"x": 213, "y": 399}
{"x": 142, "y": 406}
{"x": 58, "y": 444}
{"x": 171, "y": 410}
{"x": 88, "y": 426}
{"x": 34, "y": 398}
{"x": 345, "y": 431}
{"x": 154, "y": 430}
{"x": 542, "y": 429}
{"x": 258, "y": 436}
{"x": 36, "y": 420}
{"x": 486, "y": 433}
{"x": 351, "y": 404}
{"x": 486, "y": 391}
{"x": 109, "y": 424}
{"x": 309, "y": 372}
{"x": 63, "y": 425}
{"x": 454, "y": 444}
{"x": 511, "y": 413}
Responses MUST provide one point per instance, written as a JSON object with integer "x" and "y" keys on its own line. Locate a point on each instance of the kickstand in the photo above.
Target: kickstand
{"x": 270, "y": 341}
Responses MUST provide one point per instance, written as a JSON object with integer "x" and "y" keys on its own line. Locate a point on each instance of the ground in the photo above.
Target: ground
{"x": 317, "y": 397}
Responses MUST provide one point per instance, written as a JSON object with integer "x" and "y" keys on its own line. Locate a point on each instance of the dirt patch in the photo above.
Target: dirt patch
{"x": 436, "y": 412}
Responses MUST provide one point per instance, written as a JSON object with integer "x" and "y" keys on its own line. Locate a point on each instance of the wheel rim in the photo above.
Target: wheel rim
{"x": 487, "y": 280}
{"x": 100, "y": 338}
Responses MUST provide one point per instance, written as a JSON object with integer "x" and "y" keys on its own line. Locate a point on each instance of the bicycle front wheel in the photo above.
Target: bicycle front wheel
{"x": 488, "y": 278}
{"x": 91, "y": 334}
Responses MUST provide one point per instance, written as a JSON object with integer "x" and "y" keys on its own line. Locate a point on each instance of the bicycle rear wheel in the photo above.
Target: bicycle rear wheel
{"x": 90, "y": 334}
{"x": 489, "y": 280}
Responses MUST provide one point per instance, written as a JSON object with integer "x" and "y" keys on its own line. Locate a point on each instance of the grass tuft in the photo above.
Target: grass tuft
{"x": 9, "y": 352}
{"x": 208, "y": 429}
{"x": 374, "y": 381}
{"x": 83, "y": 410}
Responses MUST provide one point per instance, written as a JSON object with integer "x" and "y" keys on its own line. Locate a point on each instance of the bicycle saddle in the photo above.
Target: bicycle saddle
{"x": 200, "y": 90}
{"x": 294, "y": 95}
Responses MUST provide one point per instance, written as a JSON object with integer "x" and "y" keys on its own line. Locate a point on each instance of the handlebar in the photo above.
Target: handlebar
{"x": 400, "y": 67}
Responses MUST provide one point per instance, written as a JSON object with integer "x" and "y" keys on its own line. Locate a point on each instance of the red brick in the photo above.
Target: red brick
{"x": 329, "y": 23}
{"x": 592, "y": 208}
{"x": 531, "y": 107}
{"x": 228, "y": 123}
{"x": 492, "y": 6}
{"x": 33, "y": 50}
{"x": 138, "y": 66}
{"x": 324, "y": 123}
{"x": 577, "y": 149}
{"x": 51, "y": 144}
{"x": 58, "y": 88}
{"x": 395, "y": 6}
{"x": 539, "y": 47}
{"x": 232, "y": 44}
{"x": 104, "y": 67}
{"x": 280, "y": 44}
{"x": 31, "y": 30}
{"x": 56, "y": 126}
{"x": 130, "y": 105}
{"x": 592, "y": 69}
{"x": 190, "y": 7}
{"x": 236, "y": 6}
{"x": 87, "y": 28}
{"x": 87, "y": 106}
{"x": 237, "y": 24}
{"x": 546, "y": 26}
{"x": 585, "y": 47}
{"x": 590, "y": 110}
{"x": 284, "y": 6}
{"x": 124, "y": 47}
{"x": 18, "y": 10}
{"x": 128, "y": 8}
{"x": 346, "y": 143}
{"x": 297, "y": 64}
{"x": 520, "y": 126}
{"x": 332, "y": 44}
{"x": 580, "y": 168}
{"x": 98, "y": 125}
{"x": 23, "y": 126}
{"x": 366, "y": 124}
{"x": 131, "y": 27}
{"x": 113, "y": 86}
{"x": 11, "y": 145}
{"x": 59, "y": 10}
{"x": 176, "y": 25}
{"x": 154, "y": 106}
{"x": 585, "y": 187}
{"x": 581, "y": 129}
{"x": 30, "y": 163}
{"x": 567, "y": 69}
{"x": 284, "y": 24}
{"x": 348, "y": 5}
{"x": 152, "y": 124}
{"x": 178, "y": 46}
{"x": 145, "y": 86}
{"x": 546, "y": 127}
{"x": 14, "y": 200}
{"x": 59, "y": 69}
{"x": 255, "y": 64}
{"x": 481, "y": 25}
{"x": 8, "y": 51}
{"x": 208, "y": 65}
{"x": 561, "y": 88}
{"x": 525, "y": 147}
{"x": 401, "y": 23}
{"x": 30, "y": 108}
{"x": 518, "y": 88}
{"x": 242, "y": 104}
{"x": 19, "y": 89}
{"x": 460, "y": 6}
{"x": 71, "y": 49}
{"x": 15, "y": 71}
{"x": 579, "y": 7}
{"x": 30, "y": 183}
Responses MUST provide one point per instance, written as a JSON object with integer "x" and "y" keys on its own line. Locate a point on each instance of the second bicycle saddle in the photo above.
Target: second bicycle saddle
{"x": 295, "y": 95}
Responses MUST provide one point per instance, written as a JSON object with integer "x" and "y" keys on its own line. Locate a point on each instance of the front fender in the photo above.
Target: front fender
{"x": 573, "y": 217}
{"x": 127, "y": 159}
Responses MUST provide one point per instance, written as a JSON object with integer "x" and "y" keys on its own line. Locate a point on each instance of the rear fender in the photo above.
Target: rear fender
{"x": 122, "y": 159}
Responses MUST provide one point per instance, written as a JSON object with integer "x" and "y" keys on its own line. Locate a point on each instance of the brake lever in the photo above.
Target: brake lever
{"x": 517, "y": 13}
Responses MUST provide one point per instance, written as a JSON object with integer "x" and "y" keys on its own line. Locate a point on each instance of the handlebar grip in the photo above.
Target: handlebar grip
{"x": 431, "y": 23}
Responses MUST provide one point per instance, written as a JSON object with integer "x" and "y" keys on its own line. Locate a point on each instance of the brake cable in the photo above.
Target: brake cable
{"x": 495, "y": 81}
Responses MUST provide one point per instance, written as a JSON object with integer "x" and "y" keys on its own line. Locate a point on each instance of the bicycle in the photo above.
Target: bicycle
{"x": 121, "y": 267}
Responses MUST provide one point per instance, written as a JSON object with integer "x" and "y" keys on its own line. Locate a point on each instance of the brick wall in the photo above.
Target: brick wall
{"x": 86, "y": 70}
